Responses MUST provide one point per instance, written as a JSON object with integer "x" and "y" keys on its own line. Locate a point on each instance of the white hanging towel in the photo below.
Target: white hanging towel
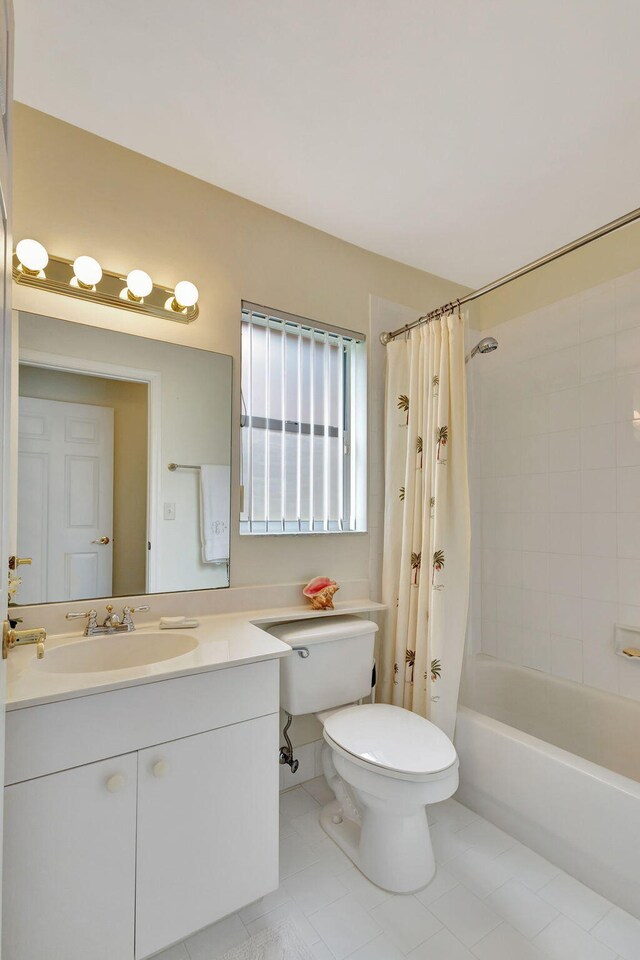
{"x": 215, "y": 489}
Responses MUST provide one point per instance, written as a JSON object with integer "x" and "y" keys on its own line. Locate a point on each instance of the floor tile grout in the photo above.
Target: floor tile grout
{"x": 326, "y": 913}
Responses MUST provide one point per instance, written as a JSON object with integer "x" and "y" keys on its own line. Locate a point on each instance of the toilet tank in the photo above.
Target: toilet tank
{"x": 336, "y": 671}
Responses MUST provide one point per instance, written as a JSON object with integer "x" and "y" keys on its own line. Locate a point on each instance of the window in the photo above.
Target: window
{"x": 303, "y": 425}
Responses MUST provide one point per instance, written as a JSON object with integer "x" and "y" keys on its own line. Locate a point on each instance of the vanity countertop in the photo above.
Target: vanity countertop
{"x": 224, "y": 640}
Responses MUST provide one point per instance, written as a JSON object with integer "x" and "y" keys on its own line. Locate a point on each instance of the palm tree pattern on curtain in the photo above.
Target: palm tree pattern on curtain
{"x": 427, "y": 521}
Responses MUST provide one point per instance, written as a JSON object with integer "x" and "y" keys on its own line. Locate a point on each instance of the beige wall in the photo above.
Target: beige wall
{"x": 129, "y": 403}
{"x": 596, "y": 263}
{"x": 77, "y": 193}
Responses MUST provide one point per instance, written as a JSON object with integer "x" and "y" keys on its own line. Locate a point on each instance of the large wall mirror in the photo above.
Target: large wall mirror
{"x": 124, "y": 452}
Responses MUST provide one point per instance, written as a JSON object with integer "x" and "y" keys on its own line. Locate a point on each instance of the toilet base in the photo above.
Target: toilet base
{"x": 395, "y": 853}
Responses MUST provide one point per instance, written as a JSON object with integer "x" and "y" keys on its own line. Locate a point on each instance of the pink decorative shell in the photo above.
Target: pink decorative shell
{"x": 320, "y": 592}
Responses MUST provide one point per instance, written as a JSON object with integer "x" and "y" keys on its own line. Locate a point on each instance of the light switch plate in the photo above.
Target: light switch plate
{"x": 169, "y": 511}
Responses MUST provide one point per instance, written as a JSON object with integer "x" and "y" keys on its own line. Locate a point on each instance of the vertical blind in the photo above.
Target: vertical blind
{"x": 297, "y": 396}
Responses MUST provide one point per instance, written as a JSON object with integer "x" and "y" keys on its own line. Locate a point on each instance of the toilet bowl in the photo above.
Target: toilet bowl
{"x": 385, "y": 765}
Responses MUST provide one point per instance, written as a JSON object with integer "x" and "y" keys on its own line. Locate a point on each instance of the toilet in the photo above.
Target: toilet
{"x": 384, "y": 764}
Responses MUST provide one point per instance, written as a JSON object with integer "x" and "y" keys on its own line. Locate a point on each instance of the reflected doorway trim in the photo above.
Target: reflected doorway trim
{"x": 115, "y": 371}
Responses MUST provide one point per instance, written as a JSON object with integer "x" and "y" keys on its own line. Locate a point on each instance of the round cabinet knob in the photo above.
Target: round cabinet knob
{"x": 115, "y": 783}
{"x": 160, "y": 768}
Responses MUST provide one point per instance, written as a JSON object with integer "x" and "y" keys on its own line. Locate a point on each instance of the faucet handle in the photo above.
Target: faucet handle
{"x": 90, "y": 615}
{"x": 127, "y": 611}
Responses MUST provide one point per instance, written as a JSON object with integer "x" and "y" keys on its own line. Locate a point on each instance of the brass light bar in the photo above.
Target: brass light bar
{"x": 110, "y": 291}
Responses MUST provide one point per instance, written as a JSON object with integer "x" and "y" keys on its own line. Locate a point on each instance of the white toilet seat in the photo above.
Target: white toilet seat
{"x": 390, "y": 741}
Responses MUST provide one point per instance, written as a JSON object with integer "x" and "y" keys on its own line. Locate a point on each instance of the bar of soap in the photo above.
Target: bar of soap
{"x": 631, "y": 652}
{"x": 173, "y": 623}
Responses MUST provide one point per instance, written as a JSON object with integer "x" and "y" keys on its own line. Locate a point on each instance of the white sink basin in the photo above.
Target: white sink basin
{"x": 116, "y": 651}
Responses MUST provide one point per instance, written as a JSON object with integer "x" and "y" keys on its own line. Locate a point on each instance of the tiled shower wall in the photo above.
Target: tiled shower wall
{"x": 555, "y": 427}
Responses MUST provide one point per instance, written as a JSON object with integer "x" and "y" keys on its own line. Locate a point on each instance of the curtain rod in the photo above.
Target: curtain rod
{"x": 516, "y": 274}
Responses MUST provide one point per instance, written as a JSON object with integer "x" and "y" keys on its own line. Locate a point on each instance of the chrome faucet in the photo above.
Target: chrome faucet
{"x": 112, "y": 623}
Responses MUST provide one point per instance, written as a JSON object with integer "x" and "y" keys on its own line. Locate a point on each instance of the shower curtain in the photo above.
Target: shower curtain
{"x": 425, "y": 580}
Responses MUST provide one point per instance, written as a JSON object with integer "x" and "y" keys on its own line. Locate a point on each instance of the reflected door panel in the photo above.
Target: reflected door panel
{"x": 65, "y": 499}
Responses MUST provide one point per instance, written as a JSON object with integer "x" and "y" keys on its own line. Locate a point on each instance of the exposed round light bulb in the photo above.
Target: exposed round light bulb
{"x": 88, "y": 272}
{"x": 186, "y": 294}
{"x": 32, "y": 255}
{"x": 139, "y": 284}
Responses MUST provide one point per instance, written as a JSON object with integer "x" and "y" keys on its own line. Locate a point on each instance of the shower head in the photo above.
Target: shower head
{"x": 486, "y": 345}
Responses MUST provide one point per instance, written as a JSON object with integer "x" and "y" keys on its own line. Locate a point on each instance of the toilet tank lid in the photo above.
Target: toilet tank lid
{"x": 322, "y": 628}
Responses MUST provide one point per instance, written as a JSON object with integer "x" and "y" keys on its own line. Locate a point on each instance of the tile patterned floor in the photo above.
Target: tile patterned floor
{"x": 492, "y": 899}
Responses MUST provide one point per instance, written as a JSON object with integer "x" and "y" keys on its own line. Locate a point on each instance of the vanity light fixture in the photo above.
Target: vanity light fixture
{"x": 184, "y": 296}
{"x": 87, "y": 273}
{"x": 32, "y": 258}
{"x": 139, "y": 285}
{"x": 85, "y": 278}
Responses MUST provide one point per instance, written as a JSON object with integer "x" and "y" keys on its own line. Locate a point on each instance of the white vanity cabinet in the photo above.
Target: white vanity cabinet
{"x": 70, "y": 863}
{"x": 175, "y": 828}
{"x": 205, "y": 836}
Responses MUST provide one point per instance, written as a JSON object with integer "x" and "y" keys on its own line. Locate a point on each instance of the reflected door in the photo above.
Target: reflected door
{"x": 65, "y": 500}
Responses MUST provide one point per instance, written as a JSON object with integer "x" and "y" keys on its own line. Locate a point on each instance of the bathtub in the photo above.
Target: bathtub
{"x": 557, "y": 765}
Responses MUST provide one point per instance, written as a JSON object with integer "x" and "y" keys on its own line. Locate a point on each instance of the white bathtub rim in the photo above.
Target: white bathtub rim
{"x": 594, "y": 771}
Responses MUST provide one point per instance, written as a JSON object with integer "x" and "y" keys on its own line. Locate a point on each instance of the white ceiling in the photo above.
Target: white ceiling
{"x": 465, "y": 137}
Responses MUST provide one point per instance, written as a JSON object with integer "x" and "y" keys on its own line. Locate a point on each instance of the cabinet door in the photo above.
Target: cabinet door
{"x": 207, "y": 829}
{"x": 69, "y": 864}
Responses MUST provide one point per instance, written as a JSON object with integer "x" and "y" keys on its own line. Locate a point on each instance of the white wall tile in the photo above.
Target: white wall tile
{"x": 564, "y": 615}
{"x": 565, "y": 494}
{"x": 597, "y": 618}
{"x": 535, "y": 414}
{"x": 628, "y": 581}
{"x": 534, "y": 492}
{"x": 564, "y": 533}
{"x": 535, "y": 532}
{"x": 628, "y": 396}
{"x": 628, "y": 350}
{"x": 565, "y": 574}
{"x": 561, "y": 516}
{"x": 535, "y": 571}
{"x": 597, "y": 358}
{"x": 566, "y": 658}
{"x": 599, "y": 578}
{"x": 597, "y": 312}
{"x": 535, "y": 454}
{"x": 597, "y": 402}
{"x": 535, "y": 609}
{"x": 509, "y": 568}
{"x": 599, "y": 490}
{"x": 597, "y": 447}
{"x": 564, "y": 409}
{"x": 536, "y": 649}
{"x": 599, "y": 534}
{"x": 600, "y": 667}
{"x": 628, "y": 489}
{"x": 629, "y": 535}
{"x": 509, "y": 605}
{"x": 564, "y": 450}
{"x": 627, "y": 301}
{"x": 628, "y": 443}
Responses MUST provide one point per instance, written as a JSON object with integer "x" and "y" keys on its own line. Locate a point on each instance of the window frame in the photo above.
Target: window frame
{"x": 354, "y": 429}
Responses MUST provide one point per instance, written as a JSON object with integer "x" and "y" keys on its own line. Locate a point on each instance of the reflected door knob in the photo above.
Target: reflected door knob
{"x": 160, "y": 768}
{"x": 115, "y": 783}
{"x": 103, "y": 540}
